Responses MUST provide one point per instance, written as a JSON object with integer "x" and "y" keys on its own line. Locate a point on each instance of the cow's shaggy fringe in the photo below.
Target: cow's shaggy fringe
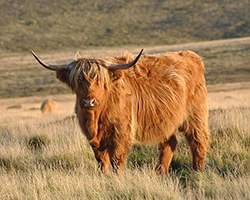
{"x": 90, "y": 69}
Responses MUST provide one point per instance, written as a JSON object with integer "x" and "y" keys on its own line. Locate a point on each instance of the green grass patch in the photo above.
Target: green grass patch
{"x": 142, "y": 156}
{"x": 12, "y": 165}
{"x": 63, "y": 162}
{"x": 38, "y": 142}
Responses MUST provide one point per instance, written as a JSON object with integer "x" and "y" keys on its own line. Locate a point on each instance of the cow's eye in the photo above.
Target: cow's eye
{"x": 80, "y": 79}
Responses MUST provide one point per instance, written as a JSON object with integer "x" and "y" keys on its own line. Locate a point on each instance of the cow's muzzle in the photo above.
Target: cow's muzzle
{"x": 89, "y": 103}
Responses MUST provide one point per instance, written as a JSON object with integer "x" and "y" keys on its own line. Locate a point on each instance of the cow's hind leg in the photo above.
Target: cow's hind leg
{"x": 195, "y": 128}
{"x": 197, "y": 136}
{"x": 166, "y": 149}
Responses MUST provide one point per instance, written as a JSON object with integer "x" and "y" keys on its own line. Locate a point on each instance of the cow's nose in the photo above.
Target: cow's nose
{"x": 90, "y": 103}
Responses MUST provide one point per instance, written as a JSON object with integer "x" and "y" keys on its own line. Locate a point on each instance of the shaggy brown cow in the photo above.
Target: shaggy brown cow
{"x": 148, "y": 101}
{"x": 48, "y": 106}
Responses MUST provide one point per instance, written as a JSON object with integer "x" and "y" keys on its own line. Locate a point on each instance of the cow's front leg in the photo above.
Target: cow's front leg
{"x": 117, "y": 162}
{"x": 166, "y": 154}
{"x": 119, "y": 144}
{"x": 95, "y": 142}
{"x": 102, "y": 158}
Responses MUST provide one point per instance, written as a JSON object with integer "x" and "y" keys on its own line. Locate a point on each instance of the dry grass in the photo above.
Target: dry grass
{"x": 63, "y": 165}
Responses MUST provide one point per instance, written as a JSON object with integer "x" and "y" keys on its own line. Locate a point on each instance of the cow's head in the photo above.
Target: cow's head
{"x": 89, "y": 79}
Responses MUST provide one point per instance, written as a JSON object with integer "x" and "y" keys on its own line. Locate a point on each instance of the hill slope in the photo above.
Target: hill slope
{"x": 226, "y": 61}
{"x": 78, "y": 24}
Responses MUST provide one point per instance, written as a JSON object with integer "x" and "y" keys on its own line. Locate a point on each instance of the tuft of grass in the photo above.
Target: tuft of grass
{"x": 38, "y": 142}
{"x": 63, "y": 162}
{"x": 59, "y": 162}
{"x": 229, "y": 147}
{"x": 141, "y": 156}
{"x": 65, "y": 120}
{"x": 18, "y": 164}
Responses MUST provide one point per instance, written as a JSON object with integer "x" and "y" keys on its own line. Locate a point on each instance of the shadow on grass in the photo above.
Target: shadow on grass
{"x": 61, "y": 162}
{"x": 141, "y": 157}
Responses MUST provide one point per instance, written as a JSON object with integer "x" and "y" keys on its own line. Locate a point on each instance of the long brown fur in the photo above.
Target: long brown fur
{"x": 147, "y": 103}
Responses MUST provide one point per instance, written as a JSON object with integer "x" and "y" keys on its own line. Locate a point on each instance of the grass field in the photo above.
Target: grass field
{"x": 47, "y": 156}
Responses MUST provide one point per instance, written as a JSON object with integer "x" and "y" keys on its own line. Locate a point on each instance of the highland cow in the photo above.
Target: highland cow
{"x": 126, "y": 99}
{"x": 48, "y": 106}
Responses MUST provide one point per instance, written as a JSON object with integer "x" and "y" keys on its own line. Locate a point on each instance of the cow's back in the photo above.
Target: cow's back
{"x": 164, "y": 88}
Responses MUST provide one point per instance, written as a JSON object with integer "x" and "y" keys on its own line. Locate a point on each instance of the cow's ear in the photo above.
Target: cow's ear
{"x": 116, "y": 75}
{"x": 63, "y": 75}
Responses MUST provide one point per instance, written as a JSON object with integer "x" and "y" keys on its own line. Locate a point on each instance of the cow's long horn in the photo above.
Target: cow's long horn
{"x": 125, "y": 66}
{"x": 48, "y": 66}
